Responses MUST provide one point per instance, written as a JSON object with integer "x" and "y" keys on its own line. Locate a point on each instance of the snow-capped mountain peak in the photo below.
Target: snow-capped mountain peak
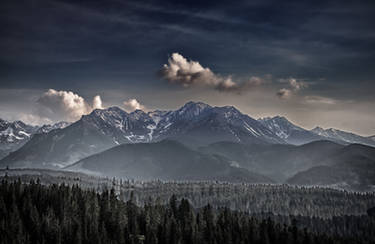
{"x": 342, "y": 136}
{"x": 318, "y": 130}
{"x": 13, "y": 135}
{"x": 139, "y": 115}
{"x": 193, "y": 109}
{"x": 288, "y": 131}
{"x": 280, "y": 125}
{"x": 15, "y": 132}
{"x": 49, "y": 127}
{"x": 157, "y": 115}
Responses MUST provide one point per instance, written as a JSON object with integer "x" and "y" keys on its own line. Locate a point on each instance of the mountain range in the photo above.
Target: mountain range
{"x": 295, "y": 135}
{"x": 268, "y": 148}
{"x": 343, "y": 136}
{"x": 194, "y": 124}
{"x": 325, "y": 163}
{"x": 13, "y": 135}
{"x": 350, "y": 167}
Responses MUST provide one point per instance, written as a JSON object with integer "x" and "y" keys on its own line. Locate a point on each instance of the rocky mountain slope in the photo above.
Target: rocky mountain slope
{"x": 194, "y": 124}
{"x": 343, "y": 136}
{"x": 289, "y": 132}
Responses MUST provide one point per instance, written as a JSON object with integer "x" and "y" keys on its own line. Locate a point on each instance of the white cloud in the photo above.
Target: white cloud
{"x": 284, "y": 93}
{"x": 295, "y": 86}
{"x": 64, "y": 105}
{"x": 33, "y": 119}
{"x": 319, "y": 100}
{"x": 132, "y": 104}
{"x": 189, "y": 73}
{"x": 97, "y": 102}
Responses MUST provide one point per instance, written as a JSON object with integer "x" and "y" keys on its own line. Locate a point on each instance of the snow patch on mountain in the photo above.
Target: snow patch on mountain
{"x": 289, "y": 132}
{"x": 48, "y": 128}
{"x": 24, "y": 133}
{"x": 193, "y": 108}
{"x": 249, "y": 128}
{"x": 13, "y": 134}
{"x": 151, "y": 128}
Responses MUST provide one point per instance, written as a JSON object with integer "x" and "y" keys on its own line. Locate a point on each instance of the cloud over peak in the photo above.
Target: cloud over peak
{"x": 65, "y": 105}
{"x": 189, "y": 73}
{"x": 97, "y": 102}
{"x": 132, "y": 104}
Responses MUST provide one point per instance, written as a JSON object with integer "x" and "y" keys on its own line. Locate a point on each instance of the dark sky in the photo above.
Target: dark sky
{"x": 313, "y": 62}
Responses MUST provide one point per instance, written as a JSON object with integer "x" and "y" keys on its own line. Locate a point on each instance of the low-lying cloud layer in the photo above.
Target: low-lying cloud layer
{"x": 65, "y": 105}
{"x": 189, "y": 73}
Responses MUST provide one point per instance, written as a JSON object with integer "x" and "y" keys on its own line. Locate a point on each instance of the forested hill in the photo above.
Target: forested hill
{"x": 34, "y": 213}
{"x": 251, "y": 198}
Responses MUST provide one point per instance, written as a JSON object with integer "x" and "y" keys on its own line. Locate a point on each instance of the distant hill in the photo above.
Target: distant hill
{"x": 166, "y": 160}
{"x": 322, "y": 163}
{"x": 352, "y": 167}
{"x": 278, "y": 162}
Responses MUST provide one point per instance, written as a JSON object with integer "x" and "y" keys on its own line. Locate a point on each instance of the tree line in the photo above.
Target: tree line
{"x": 36, "y": 213}
{"x": 251, "y": 198}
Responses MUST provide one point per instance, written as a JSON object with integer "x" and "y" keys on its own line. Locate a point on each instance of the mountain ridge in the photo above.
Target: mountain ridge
{"x": 351, "y": 167}
{"x": 165, "y": 160}
{"x": 195, "y": 124}
{"x": 288, "y": 131}
{"x": 347, "y": 137}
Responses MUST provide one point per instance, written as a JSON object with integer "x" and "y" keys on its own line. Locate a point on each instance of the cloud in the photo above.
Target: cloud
{"x": 319, "y": 100}
{"x": 229, "y": 86}
{"x": 34, "y": 119}
{"x": 284, "y": 93}
{"x": 295, "y": 86}
{"x": 97, "y": 102}
{"x": 186, "y": 73}
{"x": 64, "y": 105}
{"x": 189, "y": 73}
{"x": 132, "y": 104}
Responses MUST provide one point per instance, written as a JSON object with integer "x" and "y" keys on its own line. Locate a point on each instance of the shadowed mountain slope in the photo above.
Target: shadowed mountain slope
{"x": 166, "y": 160}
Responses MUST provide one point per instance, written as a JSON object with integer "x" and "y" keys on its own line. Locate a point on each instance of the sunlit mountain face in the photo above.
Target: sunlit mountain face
{"x": 187, "y": 122}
